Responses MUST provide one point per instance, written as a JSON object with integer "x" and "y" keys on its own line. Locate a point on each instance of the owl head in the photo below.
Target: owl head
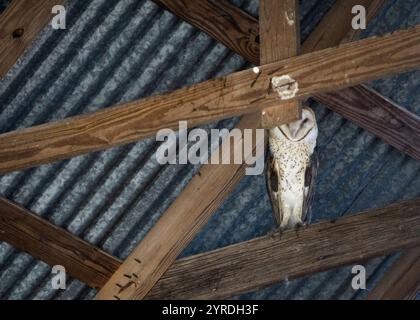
{"x": 303, "y": 130}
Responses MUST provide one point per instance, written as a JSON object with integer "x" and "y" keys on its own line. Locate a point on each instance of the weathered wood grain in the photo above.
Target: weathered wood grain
{"x": 53, "y": 245}
{"x": 337, "y": 23}
{"x": 20, "y": 24}
{"x": 402, "y": 281}
{"x": 264, "y": 261}
{"x": 221, "y": 20}
{"x": 234, "y": 27}
{"x": 236, "y": 94}
{"x": 180, "y": 224}
{"x": 346, "y": 102}
{"x": 362, "y": 105}
{"x": 378, "y": 115}
{"x": 280, "y": 39}
{"x": 372, "y": 8}
{"x": 203, "y": 205}
{"x": 217, "y": 177}
{"x": 240, "y": 32}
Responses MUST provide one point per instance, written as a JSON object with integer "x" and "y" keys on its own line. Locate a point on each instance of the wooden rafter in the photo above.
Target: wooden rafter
{"x": 279, "y": 39}
{"x": 39, "y": 225}
{"x": 221, "y": 20}
{"x": 201, "y": 206}
{"x": 347, "y": 240}
{"x": 393, "y": 124}
{"x": 20, "y": 24}
{"x": 260, "y": 262}
{"x": 42, "y": 240}
{"x": 340, "y": 17}
{"x": 204, "y": 203}
{"x": 350, "y": 240}
{"x": 180, "y": 223}
{"x": 402, "y": 281}
{"x": 239, "y": 31}
{"x": 233, "y": 95}
{"x": 361, "y": 105}
{"x": 221, "y": 177}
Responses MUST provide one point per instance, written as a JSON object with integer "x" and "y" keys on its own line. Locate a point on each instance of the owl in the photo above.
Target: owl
{"x": 292, "y": 165}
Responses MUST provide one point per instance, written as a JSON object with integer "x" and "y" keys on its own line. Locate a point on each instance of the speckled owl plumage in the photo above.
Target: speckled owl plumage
{"x": 291, "y": 169}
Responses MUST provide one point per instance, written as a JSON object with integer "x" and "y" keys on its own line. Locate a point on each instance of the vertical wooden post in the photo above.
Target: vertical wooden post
{"x": 279, "y": 40}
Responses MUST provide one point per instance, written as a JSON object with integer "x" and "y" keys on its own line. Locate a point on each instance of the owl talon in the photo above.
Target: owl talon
{"x": 276, "y": 233}
{"x": 299, "y": 226}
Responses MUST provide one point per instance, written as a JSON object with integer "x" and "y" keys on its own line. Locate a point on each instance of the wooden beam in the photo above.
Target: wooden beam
{"x": 362, "y": 105}
{"x": 239, "y": 31}
{"x": 372, "y": 8}
{"x": 340, "y": 17}
{"x": 264, "y": 261}
{"x": 53, "y": 245}
{"x": 221, "y": 179}
{"x": 233, "y": 95}
{"x": 41, "y": 239}
{"x": 402, "y": 281}
{"x": 221, "y": 20}
{"x": 280, "y": 39}
{"x": 201, "y": 207}
{"x": 180, "y": 224}
{"x": 20, "y": 24}
{"x": 380, "y": 114}
{"x": 204, "y": 203}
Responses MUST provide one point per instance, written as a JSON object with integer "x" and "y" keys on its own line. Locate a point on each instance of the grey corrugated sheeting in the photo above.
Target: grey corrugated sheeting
{"x": 116, "y": 51}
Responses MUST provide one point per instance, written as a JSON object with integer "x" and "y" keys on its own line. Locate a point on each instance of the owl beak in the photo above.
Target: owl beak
{"x": 291, "y": 129}
{"x": 294, "y": 129}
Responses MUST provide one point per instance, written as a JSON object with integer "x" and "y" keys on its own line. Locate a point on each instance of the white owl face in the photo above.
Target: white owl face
{"x": 298, "y": 130}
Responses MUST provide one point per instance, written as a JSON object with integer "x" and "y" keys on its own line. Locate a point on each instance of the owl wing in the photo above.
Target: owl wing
{"x": 310, "y": 181}
{"x": 272, "y": 186}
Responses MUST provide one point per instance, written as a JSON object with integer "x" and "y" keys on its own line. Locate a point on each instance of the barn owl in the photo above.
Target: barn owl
{"x": 291, "y": 169}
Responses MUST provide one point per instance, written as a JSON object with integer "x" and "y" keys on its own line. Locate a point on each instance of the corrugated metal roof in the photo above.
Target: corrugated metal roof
{"x": 116, "y": 51}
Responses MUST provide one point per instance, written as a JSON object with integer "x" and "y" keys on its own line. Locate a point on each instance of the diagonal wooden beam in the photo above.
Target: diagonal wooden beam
{"x": 20, "y": 24}
{"x": 371, "y": 111}
{"x": 222, "y": 178}
{"x": 361, "y": 105}
{"x": 221, "y": 20}
{"x": 179, "y": 225}
{"x": 340, "y": 16}
{"x": 190, "y": 213}
{"x": 238, "y": 31}
{"x": 402, "y": 281}
{"x": 264, "y": 261}
{"x": 280, "y": 39}
{"x": 236, "y": 94}
{"x": 53, "y": 245}
{"x": 41, "y": 239}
